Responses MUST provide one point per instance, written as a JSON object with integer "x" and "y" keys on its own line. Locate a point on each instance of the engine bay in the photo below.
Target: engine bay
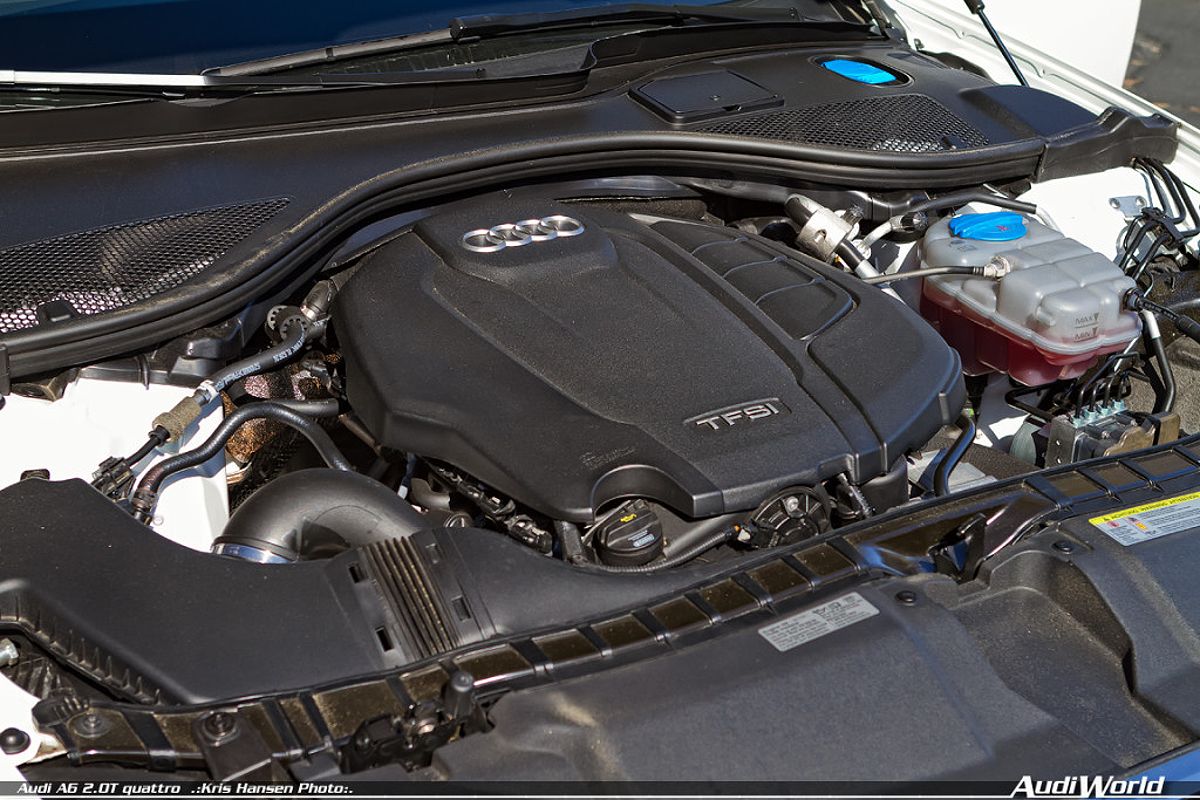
{"x": 887, "y": 320}
{"x": 613, "y": 387}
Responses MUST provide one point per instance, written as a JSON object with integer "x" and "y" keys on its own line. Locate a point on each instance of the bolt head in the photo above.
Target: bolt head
{"x": 8, "y": 653}
{"x": 906, "y": 597}
{"x": 13, "y": 741}
{"x": 90, "y": 725}
{"x": 1063, "y": 546}
{"x": 219, "y": 725}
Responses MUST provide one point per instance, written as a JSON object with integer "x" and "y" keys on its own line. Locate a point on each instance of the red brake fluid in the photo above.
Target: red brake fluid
{"x": 1057, "y": 311}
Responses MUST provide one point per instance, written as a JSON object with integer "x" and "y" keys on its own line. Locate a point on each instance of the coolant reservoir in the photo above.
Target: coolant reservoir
{"x": 1051, "y": 317}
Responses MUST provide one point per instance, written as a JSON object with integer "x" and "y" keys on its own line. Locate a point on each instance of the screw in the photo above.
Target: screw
{"x": 13, "y": 741}
{"x": 1063, "y": 546}
{"x": 8, "y": 653}
{"x": 219, "y": 725}
{"x": 90, "y": 725}
{"x": 791, "y": 504}
{"x": 906, "y": 597}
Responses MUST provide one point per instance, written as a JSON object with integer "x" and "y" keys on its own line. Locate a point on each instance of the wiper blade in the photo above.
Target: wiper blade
{"x": 486, "y": 25}
{"x": 173, "y": 86}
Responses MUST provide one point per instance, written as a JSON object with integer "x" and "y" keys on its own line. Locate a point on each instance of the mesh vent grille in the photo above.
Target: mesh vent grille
{"x": 98, "y": 270}
{"x": 904, "y": 123}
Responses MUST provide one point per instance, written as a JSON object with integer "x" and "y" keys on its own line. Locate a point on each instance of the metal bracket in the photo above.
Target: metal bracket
{"x": 233, "y": 749}
{"x": 1130, "y": 205}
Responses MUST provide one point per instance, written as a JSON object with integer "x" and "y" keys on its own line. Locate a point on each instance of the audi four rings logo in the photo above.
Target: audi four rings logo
{"x": 519, "y": 234}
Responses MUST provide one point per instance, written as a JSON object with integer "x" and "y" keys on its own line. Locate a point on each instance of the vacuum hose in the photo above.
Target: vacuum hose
{"x": 316, "y": 513}
{"x": 146, "y": 495}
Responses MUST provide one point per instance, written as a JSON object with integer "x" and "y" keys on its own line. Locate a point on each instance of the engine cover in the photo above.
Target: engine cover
{"x": 684, "y": 362}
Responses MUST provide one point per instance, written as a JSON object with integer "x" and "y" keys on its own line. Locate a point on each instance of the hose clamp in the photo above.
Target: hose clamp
{"x": 247, "y": 553}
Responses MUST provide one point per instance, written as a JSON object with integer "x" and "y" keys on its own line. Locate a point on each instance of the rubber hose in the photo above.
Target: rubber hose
{"x": 326, "y": 407}
{"x": 318, "y": 513}
{"x": 1165, "y": 402}
{"x": 956, "y": 199}
{"x": 147, "y": 490}
{"x": 293, "y": 342}
{"x": 941, "y": 476}
{"x": 849, "y": 253}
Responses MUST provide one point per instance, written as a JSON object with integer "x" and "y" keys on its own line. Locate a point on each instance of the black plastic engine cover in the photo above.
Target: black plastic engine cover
{"x": 684, "y": 362}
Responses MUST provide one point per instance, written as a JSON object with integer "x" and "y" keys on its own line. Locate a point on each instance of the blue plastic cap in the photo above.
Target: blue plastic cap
{"x": 995, "y": 226}
{"x": 859, "y": 71}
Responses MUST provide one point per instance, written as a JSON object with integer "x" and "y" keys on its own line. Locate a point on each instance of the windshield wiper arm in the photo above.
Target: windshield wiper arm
{"x": 486, "y": 25}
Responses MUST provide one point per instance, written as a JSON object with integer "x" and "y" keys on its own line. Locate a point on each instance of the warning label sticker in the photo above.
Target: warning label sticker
{"x": 814, "y": 623}
{"x": 1143, "y": 523}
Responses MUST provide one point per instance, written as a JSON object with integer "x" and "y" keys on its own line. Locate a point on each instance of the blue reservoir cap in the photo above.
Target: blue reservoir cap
{"x": 859, "y": 71}
{"x": 995, "y": 226}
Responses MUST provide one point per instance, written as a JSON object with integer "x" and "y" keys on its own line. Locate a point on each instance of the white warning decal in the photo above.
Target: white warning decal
{"x": 1150, "y": 521}
{"x": 814, "y": 623}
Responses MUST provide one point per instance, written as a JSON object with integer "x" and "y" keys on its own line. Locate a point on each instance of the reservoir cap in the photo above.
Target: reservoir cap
{"x": 859, "y": 71}
{"x": 995, "y": 226}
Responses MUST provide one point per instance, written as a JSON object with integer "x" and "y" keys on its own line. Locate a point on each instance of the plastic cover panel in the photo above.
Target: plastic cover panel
{"x": 679, "y": 361}
{"x": 98, "y": 270}
{"x": 903, "y": 123}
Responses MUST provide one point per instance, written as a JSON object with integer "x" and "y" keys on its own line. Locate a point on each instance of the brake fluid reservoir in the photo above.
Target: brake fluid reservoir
{"x": 1051, "y": 317}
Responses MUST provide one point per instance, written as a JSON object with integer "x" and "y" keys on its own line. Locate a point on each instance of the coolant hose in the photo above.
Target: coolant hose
{"x": 954, "y": 455}
{"x": 323, "y": 407}
{"x": 146, "y": 494}
{"x": 316, "y": 513}
{"x": 927, "y": 272}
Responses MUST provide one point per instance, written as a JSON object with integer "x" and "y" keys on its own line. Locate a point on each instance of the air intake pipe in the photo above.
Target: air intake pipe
{"x": 315, "y": 513}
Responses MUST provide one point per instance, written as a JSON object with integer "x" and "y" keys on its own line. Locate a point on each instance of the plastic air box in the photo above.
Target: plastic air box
{"x": 1051, "y": 317}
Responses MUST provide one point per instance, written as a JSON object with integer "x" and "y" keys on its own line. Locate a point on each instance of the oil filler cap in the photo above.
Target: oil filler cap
{"x": 631, "y": 537}
{"x": 994, "y": 226}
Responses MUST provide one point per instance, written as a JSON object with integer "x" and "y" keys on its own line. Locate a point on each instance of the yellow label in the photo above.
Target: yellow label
{"x": 1129, "y": 512}
{"x": 1152, "y": 520}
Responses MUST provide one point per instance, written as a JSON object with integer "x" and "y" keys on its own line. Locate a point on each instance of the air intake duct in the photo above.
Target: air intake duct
{"x": 316, "y": 513}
